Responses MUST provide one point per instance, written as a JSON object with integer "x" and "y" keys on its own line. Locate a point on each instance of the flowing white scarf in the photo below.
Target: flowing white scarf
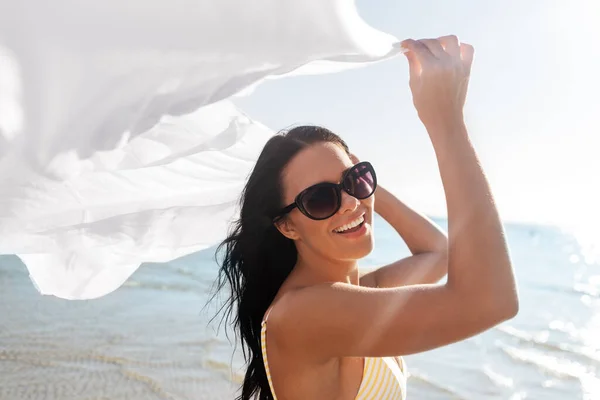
{"x": 117, "y": 142}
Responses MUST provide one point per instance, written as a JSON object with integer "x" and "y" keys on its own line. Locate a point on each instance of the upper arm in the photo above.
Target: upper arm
{"x": 421, "y": 268}
{"x": 336, "y": 320}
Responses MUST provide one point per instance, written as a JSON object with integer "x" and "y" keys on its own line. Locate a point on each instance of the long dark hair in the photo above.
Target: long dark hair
{"x": 255, "y": 258}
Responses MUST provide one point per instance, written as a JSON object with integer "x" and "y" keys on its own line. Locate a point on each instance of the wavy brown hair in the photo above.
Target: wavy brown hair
{"x": 255, "y": 258}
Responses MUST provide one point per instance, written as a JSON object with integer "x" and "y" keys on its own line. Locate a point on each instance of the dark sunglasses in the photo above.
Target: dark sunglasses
{"x": 323, "y": 200}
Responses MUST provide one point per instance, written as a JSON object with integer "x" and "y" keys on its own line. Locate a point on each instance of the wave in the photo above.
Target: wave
{"x": 540, "y": 340}
{"x": 161, "y": 286}
{"x": 562, "y": 368}
{"x": 497, "y": 379}
{"x": 577, "y": 290}
{"x": 587, "y": 289}
{"x": 225, "y": 369}
{"x": 558, "y": 367}
{"x": 431, "y": 384}
{"x": 64, "y": 358}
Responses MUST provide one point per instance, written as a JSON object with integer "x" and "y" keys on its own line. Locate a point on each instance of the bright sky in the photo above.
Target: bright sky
{"x": 533, "y": 106}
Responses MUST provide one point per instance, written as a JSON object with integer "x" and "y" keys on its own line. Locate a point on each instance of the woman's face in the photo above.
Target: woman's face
{"x": 326, "y": 162}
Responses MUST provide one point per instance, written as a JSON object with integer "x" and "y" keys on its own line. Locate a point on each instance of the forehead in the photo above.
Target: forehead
{"x": 321, "y": 162}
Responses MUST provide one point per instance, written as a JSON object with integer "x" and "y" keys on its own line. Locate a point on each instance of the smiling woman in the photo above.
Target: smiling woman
{"x": 311, "y": 325}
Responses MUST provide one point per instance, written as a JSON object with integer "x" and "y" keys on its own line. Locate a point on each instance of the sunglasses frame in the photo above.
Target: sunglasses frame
{"x": 338, "y": 187}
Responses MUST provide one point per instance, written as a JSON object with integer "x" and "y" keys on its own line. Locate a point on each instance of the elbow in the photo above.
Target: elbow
{"x": 440, "y": 256}
{"x": 443, "y": 259}
{"x": 441, "y": 245}
{"x": 491, "y": 310}
{"x": 442, "y": 263}
{"x": 494, "y": 313}
{"x": 512, "y": 309}
{"x": 505, "y": 308}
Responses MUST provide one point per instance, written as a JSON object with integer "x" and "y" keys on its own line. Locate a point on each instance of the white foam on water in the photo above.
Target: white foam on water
{"x": 419, "y": 376}
{"x": 559, "y": 367}
{"x": 541, "y": 339}
{"x": 518, "y": 396}
{"x": 497, "y": 378}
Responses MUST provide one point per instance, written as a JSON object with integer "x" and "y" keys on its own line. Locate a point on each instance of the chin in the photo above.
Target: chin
{"x": 359, "y": 247}
{"x": 365, "y": 249}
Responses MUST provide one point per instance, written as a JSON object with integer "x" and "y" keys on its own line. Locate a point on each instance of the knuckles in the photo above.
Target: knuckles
{"x": 445, "y": 65}
{"x": 449, "y": 39}
{"x": 449, "y": 66}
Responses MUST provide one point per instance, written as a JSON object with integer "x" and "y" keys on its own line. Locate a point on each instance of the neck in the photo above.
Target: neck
{"x": 312, "y": 268}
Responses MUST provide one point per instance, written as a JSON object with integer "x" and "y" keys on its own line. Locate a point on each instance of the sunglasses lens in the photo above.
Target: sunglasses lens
{"x": 321, "y": 201}
{"x": 360, "y": 181}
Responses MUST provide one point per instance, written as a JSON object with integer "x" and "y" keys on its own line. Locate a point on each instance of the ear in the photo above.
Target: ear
{"x": 286, "y": 227}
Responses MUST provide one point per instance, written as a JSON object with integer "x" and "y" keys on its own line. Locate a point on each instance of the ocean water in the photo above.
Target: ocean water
{"x": 152, "y": 338}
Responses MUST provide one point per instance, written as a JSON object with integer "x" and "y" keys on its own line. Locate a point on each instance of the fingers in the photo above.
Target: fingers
{"x": 466, "y": 52}
{"x": 440, "y": 47}
{"x": 435, "y": 47}
{"x": 415, "y": 51}
{"x": 417, "y": 47}
{"x": 413, "y": 63}
{"x": 451, "y": 45}
{"x": 423, "y": 51}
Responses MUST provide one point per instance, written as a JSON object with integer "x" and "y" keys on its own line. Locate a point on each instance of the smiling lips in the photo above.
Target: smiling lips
{"x": 351, "y": 226}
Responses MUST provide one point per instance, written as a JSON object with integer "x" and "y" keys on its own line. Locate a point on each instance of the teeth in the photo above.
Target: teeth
{"x": 351, "y": 225}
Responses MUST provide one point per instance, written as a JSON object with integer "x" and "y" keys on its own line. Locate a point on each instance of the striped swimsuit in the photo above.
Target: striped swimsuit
{"x": 383, "y": 379}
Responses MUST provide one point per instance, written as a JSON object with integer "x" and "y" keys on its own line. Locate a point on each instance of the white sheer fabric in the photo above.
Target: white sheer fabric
{"x": 117, "y": 142}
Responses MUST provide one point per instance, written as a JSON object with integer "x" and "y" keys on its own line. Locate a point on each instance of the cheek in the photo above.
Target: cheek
{"x": 368, "y": 204}
{"x": 312, "y": 231}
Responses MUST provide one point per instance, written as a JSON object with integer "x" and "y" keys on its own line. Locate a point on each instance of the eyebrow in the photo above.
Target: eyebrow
{"x": 339, "y": 181}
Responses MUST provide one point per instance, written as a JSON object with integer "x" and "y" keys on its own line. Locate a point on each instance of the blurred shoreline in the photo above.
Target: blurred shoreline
{"x": 152, "y": 338}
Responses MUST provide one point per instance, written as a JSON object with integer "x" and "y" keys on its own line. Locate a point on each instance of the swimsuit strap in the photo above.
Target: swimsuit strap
{"x": 263, "y": 345}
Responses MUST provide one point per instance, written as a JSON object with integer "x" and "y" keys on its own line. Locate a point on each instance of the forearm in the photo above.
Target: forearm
{"x": 478, "y": 258}
{"x": 420, "y": 234}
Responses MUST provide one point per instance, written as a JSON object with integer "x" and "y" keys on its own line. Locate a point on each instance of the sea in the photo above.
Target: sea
{"x": 154, "y": 338}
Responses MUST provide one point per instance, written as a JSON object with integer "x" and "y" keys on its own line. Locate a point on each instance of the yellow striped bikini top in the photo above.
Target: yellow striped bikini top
{"x": 383, "y": 379}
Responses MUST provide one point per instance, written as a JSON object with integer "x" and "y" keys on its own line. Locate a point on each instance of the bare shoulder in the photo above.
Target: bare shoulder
{"x": 342, "y": 320}
{"x": 296, "y": 305}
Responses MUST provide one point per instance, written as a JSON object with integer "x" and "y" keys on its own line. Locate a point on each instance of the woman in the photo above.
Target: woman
{"x": 312, "y": 327}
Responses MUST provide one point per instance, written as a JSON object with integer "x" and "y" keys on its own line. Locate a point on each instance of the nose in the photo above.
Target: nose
{"x": 349, "y": 203}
